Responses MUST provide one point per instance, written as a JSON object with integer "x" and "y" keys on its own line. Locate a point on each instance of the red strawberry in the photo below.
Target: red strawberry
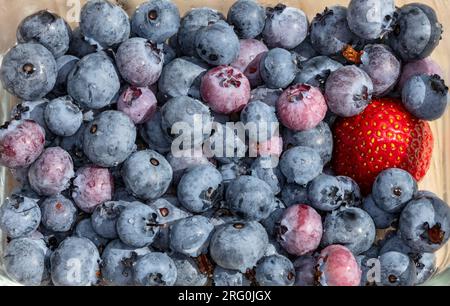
{"x": 384, "y": 136}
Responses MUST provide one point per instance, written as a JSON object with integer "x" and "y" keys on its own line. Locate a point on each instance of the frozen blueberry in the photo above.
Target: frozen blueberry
{"x": 109, "y": 139}
{"x": 261, "y": 120}
{"x": 28, "y": 71}
{"x": 250, "y": 53}
{"x": 104, "y": 24}
{"x": 266, "y": 95}
{"x": 426, "y": 97}
{"x": 93, "y": 82}
{"x": 275, "y": 270}
{"x": 147, "y": 174}
{"x": 168, "y": 212}
{"x": 263, "y": 169}
{"x": 286, "y": 27}
{"x": 47, "y": 29}
{"x": 75, "y": 263}
{"x": 278, "y": 68}
{"x": 247, "y": 17}
{"x": 190, "y": 236}
{"x": 139, "y": 103}
{"x": 156, "y": 20}
{"x": 294, "y": 194}
{"x": 188, "y": 272}
{"x": 84, "y": 229}
{"x": 104, "y": 218}
{"x": 271, "y": 222}
{"x": 305, "y": 270}
{"x": 79, "y": 46}
{"x": 140, "y": 61}
{"x": 200, "y": 188}
{"x": 65, "y": 65}
{"x": 352, "y": 192}
{"x": 370, "y": 19}
{"x": 425, "y": 267}
{"x": 425, "y": 66}
{"x": 393, "y": 189}
{"x": 32, "y": 110}
{"x": 397, "y": 269}
{"x": 153, "y": 134}
{"x": 184, "y": 161}
{"x": 305, "y": 51}
{"x": 58, "y": 213}
{"x": 19, "y": 216}
{"x": 300, "y": 165}
{"x": 238, "y": 246}
{"x": 381, "y": 218}
{"x": 225, "y": 277}
{"x": 325, "y": 193}
{"x": 250, "y": 198}
{"x": 315, "y": 71}
{"x": 155, "y": 269}
{"x": 63, "y": 117}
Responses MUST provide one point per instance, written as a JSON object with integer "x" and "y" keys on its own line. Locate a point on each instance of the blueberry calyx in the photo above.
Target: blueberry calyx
{"x": 152, "y": 15}
{"x": 28, "y": 68}
{"x": 434, "y": 234}
{"x": 438, "y": 84}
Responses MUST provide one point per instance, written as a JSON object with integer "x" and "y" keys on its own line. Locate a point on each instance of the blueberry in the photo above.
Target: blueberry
{"x": 426, "y": 97}
{"x": 393, "y": 189}
{"x": 191, "y": 236}
{"x": 154, "y": 135}
{"x": 84, "y": 229}
{"x": 348, "y": 91}
{"x": 247, "y": 17}
{"x": 279, "y": 19}
{"x": 109, "y": 139}
{"x": 271, "y": 222}
{"x": 425, "y": 267}
{"x": 305, "y": 270}
{"x": 305, "y": 50}
{"x": 425, "y": 224}
{"x": 300, "y": 165}
{"x": 315, "y": 71}
{"x": 147, "y": 174}
{"x": 33, "y": 110}
{"x": 260, "y": 119}
{"x": 250, "y": 198}
{"x": 63, "y": 117}
{"x": 318, "y": 138}
{"x": 58, "y": 213}
{"x": 93, "y": 82}
{"x": 24, "y": 262}
{"x": 262, "y": 169}
{"x": 181, "y": 163}
{"x": 325, "y": 193}
{"x": 188, "y": 272}
{"x": 104, "y": 218}
{"x": 352, "y": 192}
{"x": 231, "y": 171}
{"x": 117, "y": 263}
{"x": 19, "y": 216}
{"x": 191, "y": 23}
{"x": 140, "y": 61}
{"x": 370, "y": 19}
{"x": 104, "y": 24}
{"x": 156, "y": 20}
{"x": 217, "y": 44}
{"x": 79, "y": 46}
{"x": 155, "y": 269}
{"x": 169, "y": 53}
{"x": 200, "y": 188}
{"x": 28, "y": 71}
{"x": 275, "y": 270}
{"x": 266, "y": 95}
{"x": 349, "y": 226}
{"x": 292, "y": 194}
{"x": 278, "y": 68}
{"x": 75, "y": 263}
{"x": 168, "y": 212}
{"x": 397, "y": 269}
{"x": 181, "y": 77}
{"x": 225, "y": 277}
{"x": 411, "y": 39}
{"x": 64, "y": 65}
{"x": 238, "y": 246}
{"x": 381, "y": 218}
{"x": 137, "y": 225}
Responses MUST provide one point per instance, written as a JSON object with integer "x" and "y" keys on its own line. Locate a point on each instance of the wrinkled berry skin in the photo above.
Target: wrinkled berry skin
{"x": 397, "y": 269}
{"x": 47, "y": 29}
{"x": 248, "y": 51}
{"x": 315, "y": 71}
{"x": 425, "y": 224}
{"x": 28, "y": 71}
{"x": 301, "y": 165}
{"x": 370, "y": 19}
{"x": 51, "y": 172}
{"x": 417, "y": 32}
{"x": 139, "y": 103}
{"x": 156, "y": 20}
{"x": 299, "y": 229}
{"x": 104, "y": 23}
{"x": 325, "y": 193}
{"x": 58, "y": 213}
{"x": 286, "y": 27}
{"x": 424, "y": 66}
{"x": 275, "y": 270}
{"x": 19, "y": 216}
{"x": 140, "y": 61}
{"x": 426, "y": 97}
{"x": 301, "y": 107}
{"x": 104, "y": 218}
{"x": 21, "y": 143}
{"x": 217, "y": 44}
{"x": 381, "y": 219}
{"x": 348, "y": 91}
{"x": 147, "y": 174}
{"x": 63, "y": 117}
{"x": 109, "y": 139}
{"x": 93, "y": 82}
{"x": 230, "y": 249}
{"x": 92, "y": 186}
{"x": 75, "y": 263}
{"x": 278, "y": 68}
{"x": 247, "y": 17}
{"x": 155, "y": 269}
{"x": 338, "y": 267}
{"x": 190, "y": 236}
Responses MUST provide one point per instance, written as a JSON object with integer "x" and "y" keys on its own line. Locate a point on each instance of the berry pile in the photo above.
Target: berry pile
{"x": 339, "y": 109}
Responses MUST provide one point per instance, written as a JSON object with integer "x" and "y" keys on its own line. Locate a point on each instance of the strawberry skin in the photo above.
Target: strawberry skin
{"x": 384, "y": 136}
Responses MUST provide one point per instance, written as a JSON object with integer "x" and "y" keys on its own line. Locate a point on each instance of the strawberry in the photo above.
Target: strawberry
{"x": 384, "y": 136}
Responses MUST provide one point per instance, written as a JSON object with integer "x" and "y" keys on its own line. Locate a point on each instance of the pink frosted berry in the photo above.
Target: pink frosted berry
{"x": 92, "y": 186}
{"x": 249, "y": 49}
{"x": 301, "y": 107}
{"x": 139, "y": 103}
{"x": 252, "y": 72}
{"x": 225, "y": 89}
{"x": 21, "y": 143}
{"x": 51, "y": 172}
{"x": 423, "y": 66}
{"x": 271, "y": 147}
{"x": 300, "y": 229}
{"x": 337, "y": 266}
